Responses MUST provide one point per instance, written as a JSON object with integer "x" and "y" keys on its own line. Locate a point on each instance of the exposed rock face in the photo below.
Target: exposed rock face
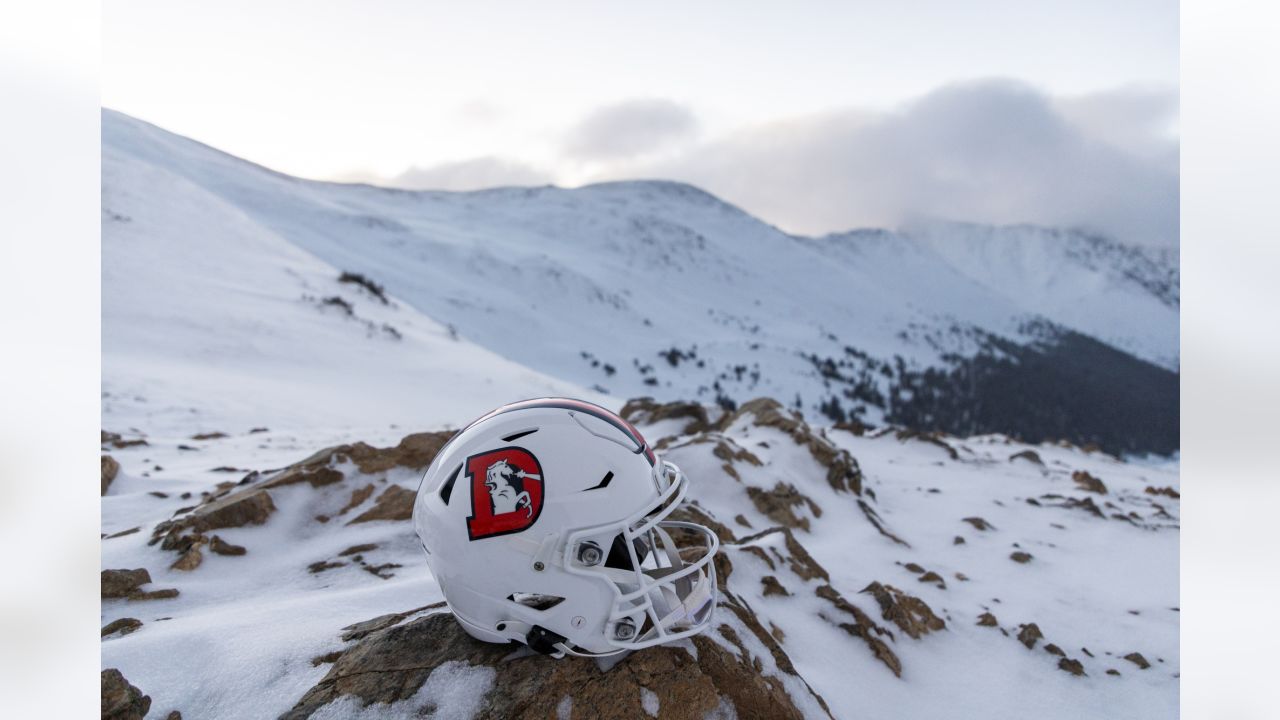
{"x": 1088, "y": 482}
{"x": 1137, "y": 659}
{"x": 933, "y": 438}
{"x": 910, "y": 613}
{"x": 392, "y": 663}
{"x": 127, "y": 584}
{"x": 1029, "y": 634}
{"x": 124, "y": 626}
{"x": 1072, "y": 666}
{"x": 1166, "y": 491}
{"x": 777, "y": 504}
{"x": 236, "y": 510}
{"x": 843, "y": 473}
{"x": 415, "y": 452}
{"x": 986, "y": 619}
{"x": 865, "y": 628}
{"x": 110, "y": 468}
{"x": 120, "y": 700}
{"x": 222, "y": 547}
{"x": 395, "y": 503}
{"x": 646, "y": 411}
{"x": 1030, "y": 456}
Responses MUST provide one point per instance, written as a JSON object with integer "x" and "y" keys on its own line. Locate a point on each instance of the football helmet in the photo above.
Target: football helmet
{"x": 545, "y": 522}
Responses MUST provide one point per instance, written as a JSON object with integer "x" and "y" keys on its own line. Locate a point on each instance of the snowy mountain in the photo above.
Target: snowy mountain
{"x": 283, "y": 358}
{"x": 657, "y": 288}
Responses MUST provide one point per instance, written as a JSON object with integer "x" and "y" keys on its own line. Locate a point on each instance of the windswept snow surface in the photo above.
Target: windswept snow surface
{"x": 658, "y": 288}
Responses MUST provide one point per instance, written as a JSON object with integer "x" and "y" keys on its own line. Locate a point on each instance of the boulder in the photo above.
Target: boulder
{"x": 1088, "y": 482}
{"x": 123, "y": 583}
{"x": 120, "y": 700}
{"x": 392, "y": 664}
{"x": 395, "y": 503}
{"x": 908, "y": 612}
{"x": 110, "y": 468}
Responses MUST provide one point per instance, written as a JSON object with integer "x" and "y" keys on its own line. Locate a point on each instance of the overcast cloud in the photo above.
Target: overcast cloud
{"x": 630, "y": 129}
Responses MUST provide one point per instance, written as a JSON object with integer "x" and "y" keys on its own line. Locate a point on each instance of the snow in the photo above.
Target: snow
{"x": 567, "y": 282}
{"x": 649, "y": 701}
{"x": 214, "y": 276}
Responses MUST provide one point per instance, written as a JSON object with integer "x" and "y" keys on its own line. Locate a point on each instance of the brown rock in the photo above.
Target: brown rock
{"x": 1088, "y": 482}
{"x": 986, "y": 619}
{"x": 1137, "y": 659}
{"x": 395, "y": 503}
{"x": 236, "y": 510}
{"x": 357, "y": 549}
{"x": 120, "y": 700}
{"x": 124, "y": 626}
{"x": 1166, "y": 491}
{"x": 122, "y": 583}
{"x": 864, "y": 628}
{"x": 222, "y": 547}
{"x": 1113, "y": 671}
{"x": 1072, "y": 666}
{"x": 779, "y": 502}
{"x": 933, "y": 577}
{"x": 1028, "y": 455}
{"x": 122, "y": 533}
{"x": 162, "y": 594}
{"x": 1028, "y": 635}
{"x": 843, "y": 473}
{"x": 358, "y": 496}
{"x": 908, "y": 612}
{"x": 772, "y": 586}
{"x": 209, "y": 436}
{"x": 322, "y": 565}
{"x": 933, "y": 438}
{"x": 646, "y": 411}
{"x": 190, "y": 560}
{"x": 1020, "y": 557}
{"x": 110, "y": 468}
{"x": 877, "y": 523}
{"x": 958, "y": 541}
{"x": 1054, "y": 650}
{"x": 978, "y": 523}
{"x": 912, "y": 567}
{"x": 392, "y": 663}
{"x": 798, "y": 560}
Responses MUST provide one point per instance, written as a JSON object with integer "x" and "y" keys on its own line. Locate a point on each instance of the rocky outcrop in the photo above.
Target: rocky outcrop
{"x": 395, "y": 503}
{"x": 779, "y": 505}
{"x": 127, "y": 584}
{"x": 646, "y": 411}
{"x": 1030, "y": 456}
{"x": 124, "y": 626}
{"x": 120, "y": 700}
{"x": 843, "y": 473}
{"x": 911, "y": 614}
{"x": 110, "y": 469}
{"x": 392, "y": 664}
{"x": 1088, "y": 482}
{"x": 1166, "y": 491}
{"x": 1029, "y": 634}
{"x": 933, "y": 438}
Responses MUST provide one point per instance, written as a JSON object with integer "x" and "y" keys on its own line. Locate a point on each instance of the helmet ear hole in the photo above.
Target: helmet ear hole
{"x": 620, "y": 559}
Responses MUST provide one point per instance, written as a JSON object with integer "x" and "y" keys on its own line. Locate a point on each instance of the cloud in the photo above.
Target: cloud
{"x": 629, "y": 129}
{"x": 994, "y": 151}
{"x": 473, "y": 174}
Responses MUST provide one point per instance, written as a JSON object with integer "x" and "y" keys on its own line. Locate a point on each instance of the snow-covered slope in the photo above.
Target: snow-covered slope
{"x": 660, "y": 289}
{"x": 211, "y": 320}
{"x": 888, "y": 574}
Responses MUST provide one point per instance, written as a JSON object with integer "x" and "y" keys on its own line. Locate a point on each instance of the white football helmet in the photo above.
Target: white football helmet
{"x": 544, "y": 522}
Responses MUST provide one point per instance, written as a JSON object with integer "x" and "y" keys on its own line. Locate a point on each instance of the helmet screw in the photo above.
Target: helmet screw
{"x": 539, "y": 566}
{"x": 624, "y": 630}
{"x": 590, "y": 554}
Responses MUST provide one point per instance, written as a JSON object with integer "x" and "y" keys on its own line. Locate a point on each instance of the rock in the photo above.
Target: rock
{"x": 798, "y": 560}
{"x": 1088, "y": 482}
{"x": 1137, "y": 659}
{"x": 877, "y": 523}
{"x": 395, "y": 503}
{"x": 933, "y": 577}
{"x": 1054, "y": 650}
{"x": 958, "y": 541}
{"x": 978, "y": 523}
{"x": 173, "y": 715}
{"x": 843, "y": 473}
{"x": 116, "y": 441}
{"x": 1166, "y": 491}
{"x": 358, "y": 497}
{"x": 120, "y": 700}
{"x": 933, "y": 438}
{"x": 122, "y": 583}
{"x": 865, "y": 628}
{"x": 908, "y": 612}
{"x": 777, "y": 505}
{"x": 190, "y": 560}
{"x": 912, "y": 567}
{"x": 772, "y": 586}
{"x": 209, "y": 436}
{"x": 1029, "y": 455}
{"x": 646, "y": 411}
{"x": 110, "y": 468}
{"x": 986, "y": 619}
{"x": 1072, "y": 666}
{"x": 122, "y": 533}
{"x": 322, "y": 565}
{"x": 391, "y": 664}
{"x": 124, "y": 626}
{"x": 357, "y": 549}
{"x": 162, "y": 594}
{"x": 1020, "y": 557}
{"x": 235, "y": 510}
{"x": 1028, "y": 635}
{"x": 222, "y": 547}
{"x": 1113, "y": 671}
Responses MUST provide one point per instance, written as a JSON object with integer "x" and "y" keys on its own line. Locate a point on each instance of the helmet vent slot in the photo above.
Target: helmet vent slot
{"x": 537, "y": 601}
{"x": 446, "y": 490}
{"x": 516, "y": 436}
{"x": 608, "y": 478}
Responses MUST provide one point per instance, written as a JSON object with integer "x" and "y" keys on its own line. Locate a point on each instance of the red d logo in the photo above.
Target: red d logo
{"x": 506, "y": 492}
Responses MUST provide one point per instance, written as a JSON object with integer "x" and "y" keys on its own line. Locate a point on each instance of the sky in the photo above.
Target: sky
{"x": 815, "y": 116}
